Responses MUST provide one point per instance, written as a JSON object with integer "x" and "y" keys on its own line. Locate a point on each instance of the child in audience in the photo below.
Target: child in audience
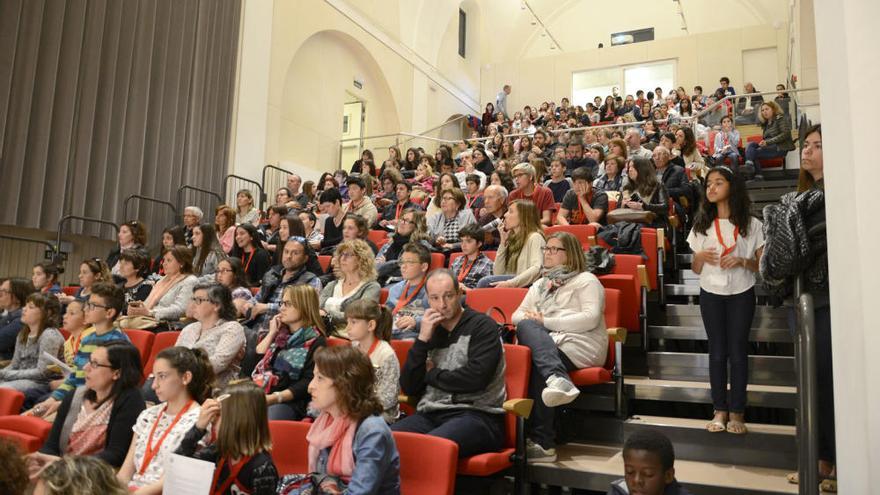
{"x": 726, "y": 143}
{"x": 182, "y": 381}
{"x": 407, "y": 299}
{"x": 240, "y": 443}
{"x": 473, "y": 265}
{"x": 78, "y": 475}
{"x": 558, "y": 183}
{"x": 727, "y": 243}
{"x": 74, "y": 324}
{"x": 45, "y": 277}
{"x": 103, "y": 307}
{"x": 649, "y": 466}
{"x": 369, "y": 328}
{"x": 351, "y": 449}
{"x": 29, "y": 370}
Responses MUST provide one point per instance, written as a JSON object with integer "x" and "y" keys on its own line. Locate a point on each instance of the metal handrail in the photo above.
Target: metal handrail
{"x": 263, "y": 175}
{"x": 66, "y": 218}
{"x": 148, "y": 199}
{"x": 262, "y": 199}
{"x": 807, "y": 419}
{"x": 53, "y": 249}
{"x": 187, "y": 187}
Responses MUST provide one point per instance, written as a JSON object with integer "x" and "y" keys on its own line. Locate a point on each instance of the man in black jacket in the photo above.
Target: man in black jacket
{"x": 672, "y": 176}
{"x": 457, "y": 366}
{"x": 293, "y": 270}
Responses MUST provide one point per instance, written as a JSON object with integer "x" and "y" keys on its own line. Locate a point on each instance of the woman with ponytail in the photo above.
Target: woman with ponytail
{"x": 182, "y": 381}
{"x": 369, "y": 328}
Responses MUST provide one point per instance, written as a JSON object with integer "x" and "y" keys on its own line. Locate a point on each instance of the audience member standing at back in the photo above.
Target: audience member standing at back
{"x": 457, "y": 366}
{"x": 727, "y": 243}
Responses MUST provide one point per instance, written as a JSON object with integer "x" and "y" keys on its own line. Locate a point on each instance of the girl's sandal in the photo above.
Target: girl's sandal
{"x": 793, "y": 478}
{"x": 715, "y": 426}
{"x": 736, "y": 427}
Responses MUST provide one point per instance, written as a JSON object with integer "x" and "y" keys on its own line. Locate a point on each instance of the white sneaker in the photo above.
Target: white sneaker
{"x": 559, "y": 391}
{"x": 536, "y": 453}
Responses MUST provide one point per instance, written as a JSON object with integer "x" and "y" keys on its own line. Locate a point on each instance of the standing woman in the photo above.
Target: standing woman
{"x": 287, "y": 365}
{"x": 727, "y": 243}
{"x": 785, "y": 250}
{"x": 518, "y": 260}
{"x": 255, "y": 260}
{"x": 207, "y": 252}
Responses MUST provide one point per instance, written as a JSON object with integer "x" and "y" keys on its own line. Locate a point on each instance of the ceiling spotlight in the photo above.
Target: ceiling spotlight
{"x": 534, "y": 23}
{"x": 544, "y": 33}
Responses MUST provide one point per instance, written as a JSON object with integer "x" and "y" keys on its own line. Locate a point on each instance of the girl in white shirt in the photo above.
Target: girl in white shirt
{"x": 727, "y": 243}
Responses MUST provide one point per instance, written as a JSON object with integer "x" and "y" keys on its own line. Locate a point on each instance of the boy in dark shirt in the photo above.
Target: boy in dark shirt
{"x": 648, "y": 460}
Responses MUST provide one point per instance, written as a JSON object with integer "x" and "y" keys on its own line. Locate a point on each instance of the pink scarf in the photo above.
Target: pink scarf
{"x": 338, "y": 434}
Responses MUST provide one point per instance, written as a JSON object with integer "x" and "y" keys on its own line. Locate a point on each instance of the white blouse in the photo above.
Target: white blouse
{"x": 736, "y": 280}
{"x": 142, "y": 428}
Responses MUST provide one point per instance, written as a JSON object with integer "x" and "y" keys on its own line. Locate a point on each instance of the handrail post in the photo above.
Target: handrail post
{"x": 807, "y": 420}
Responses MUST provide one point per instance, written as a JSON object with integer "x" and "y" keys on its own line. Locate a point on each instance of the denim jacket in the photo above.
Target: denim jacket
{"x": 376, "y": 461}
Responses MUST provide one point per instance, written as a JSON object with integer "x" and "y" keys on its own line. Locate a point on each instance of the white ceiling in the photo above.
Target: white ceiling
{"x": 578, "y": 25}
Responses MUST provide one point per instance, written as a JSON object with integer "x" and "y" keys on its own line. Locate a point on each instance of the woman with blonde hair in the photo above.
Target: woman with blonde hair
{"x": 562, "y": 321}
{"x": 355, "y": 266}
{"x": 245, "y": 208}
{"x": 287, "y": 366}
{"x": 518, "y": 259}
{"x": 351, "y": 449}
{"x": 240, "y": 445}
{"x": 224, "y": 224}
{"x": 78, "y": 475}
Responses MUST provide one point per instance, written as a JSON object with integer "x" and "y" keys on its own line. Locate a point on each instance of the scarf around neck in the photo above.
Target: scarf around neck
{"x": 337, "y": 434}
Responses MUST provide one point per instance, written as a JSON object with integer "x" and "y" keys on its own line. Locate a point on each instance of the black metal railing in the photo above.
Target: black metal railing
{"x": 239, "y": 183}
{"x": 272, "y": 179}
{"x": 206, "y": 206}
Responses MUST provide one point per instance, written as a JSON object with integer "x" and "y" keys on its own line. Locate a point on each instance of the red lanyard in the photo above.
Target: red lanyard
{"x": 76, "y": 342}
{"x": 582, "y": 215}
{"x": 399, "y": 209}
{"x": 404, "y": 299}
{"x": 727, "y": 250}
{"x": 234, "y": 469}
{"x": 726, "y": 138}
{"x": 151, "y": 451}
{"x": 472, "y": 200}
{"x": 248, "y": 264}
{"x": 466, "y": 268}
{"x": 373, "y": 347}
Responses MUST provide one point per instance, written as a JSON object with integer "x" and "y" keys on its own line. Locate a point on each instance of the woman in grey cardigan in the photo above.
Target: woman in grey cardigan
{"x": 170, "y": 295}
{"x": 354, "y": 265}
{"x": 29, "y": 370}
{"x": 443, "y": 228}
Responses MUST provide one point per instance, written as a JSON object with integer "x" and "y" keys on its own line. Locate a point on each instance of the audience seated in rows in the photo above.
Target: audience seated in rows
{"x": 91, "y": 271}
{"x": 30, "y": 370}
{"x": 170, "y": 295}
{"x": 518, "y": 260}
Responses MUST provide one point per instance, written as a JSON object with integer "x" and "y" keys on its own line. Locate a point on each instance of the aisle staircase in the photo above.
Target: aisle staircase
{"x": 667, "y": 389}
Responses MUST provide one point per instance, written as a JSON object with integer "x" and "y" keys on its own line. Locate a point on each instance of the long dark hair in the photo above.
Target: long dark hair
{"x": 255, "y": 239}
{"x": 126, "y": 359}
{"x": 646, "y": 179}
{"x": 738, "y": 200}
{"x": 209, "y": 243}
{"x": 238, "y": 275}
{"x": 805, "y": 179}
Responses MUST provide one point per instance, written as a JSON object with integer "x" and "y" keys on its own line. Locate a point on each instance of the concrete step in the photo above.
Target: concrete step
{"x": 686, "y": 366}
{"x": 768, "y": 446}
{"x": 595, "y": 466}
{"x": 685, "y": 259}
{"x": 645, "y": 388}
{"x": 688, "y": 315}
{"x": 698, "y": 332}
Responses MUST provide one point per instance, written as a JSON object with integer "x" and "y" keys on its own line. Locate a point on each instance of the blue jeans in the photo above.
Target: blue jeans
{"x": 728, "y": 321}
{"x": 755, "y": 153}
{"x": 487, "y": 281}
{"x": 547, "y": 360}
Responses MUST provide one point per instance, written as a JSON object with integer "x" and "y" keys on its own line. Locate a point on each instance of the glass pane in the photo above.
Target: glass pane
{"x": 590, "y": 84}
{"x": 648, "y": 77}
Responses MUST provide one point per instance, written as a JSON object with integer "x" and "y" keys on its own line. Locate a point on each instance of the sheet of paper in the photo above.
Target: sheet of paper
{"x": 187, "y": 476}
{"x": 57, "y": 362}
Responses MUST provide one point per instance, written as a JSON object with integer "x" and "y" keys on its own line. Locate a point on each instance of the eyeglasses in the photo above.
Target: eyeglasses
{"x": 89, "y": 305}
{"x": 552, "y": 249}
{"x": 94, "y": 364}
{"x": 200, "y": 300}
{"x": 346, "y": 255}
{"x": 404, "y": 220}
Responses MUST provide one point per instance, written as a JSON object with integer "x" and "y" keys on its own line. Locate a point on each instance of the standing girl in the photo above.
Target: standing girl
{"x": 727, "y": 243}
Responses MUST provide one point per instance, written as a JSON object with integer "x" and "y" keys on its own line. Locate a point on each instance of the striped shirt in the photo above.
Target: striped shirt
{"x": 90, "y": 340}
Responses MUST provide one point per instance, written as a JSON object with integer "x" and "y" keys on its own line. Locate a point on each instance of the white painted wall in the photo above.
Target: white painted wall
{"x": 846, "y": 37}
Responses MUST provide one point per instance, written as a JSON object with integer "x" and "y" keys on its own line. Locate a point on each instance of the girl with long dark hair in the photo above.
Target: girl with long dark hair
{"x": 727, "y": 243}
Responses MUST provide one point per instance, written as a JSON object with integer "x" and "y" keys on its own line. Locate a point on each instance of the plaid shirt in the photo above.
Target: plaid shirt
{"x": 482, "y": 267}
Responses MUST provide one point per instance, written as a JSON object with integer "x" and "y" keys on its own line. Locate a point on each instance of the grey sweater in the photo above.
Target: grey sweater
{"x": 28, "y": 361}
